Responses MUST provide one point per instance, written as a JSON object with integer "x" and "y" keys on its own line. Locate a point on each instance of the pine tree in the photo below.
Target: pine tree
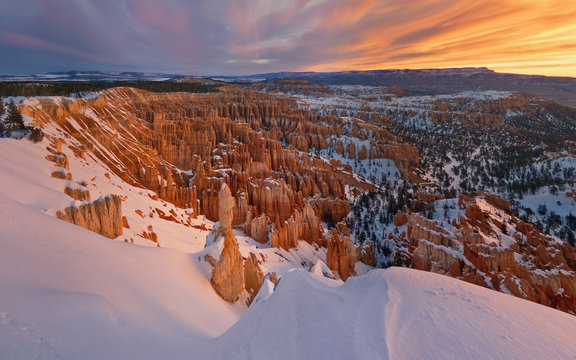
{"x": 1, "y": 107}
{"x": 14, "y": 119}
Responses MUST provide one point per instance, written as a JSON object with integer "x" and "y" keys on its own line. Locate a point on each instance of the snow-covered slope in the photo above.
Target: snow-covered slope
{"x": 396, "y": 313}
{"x": 68, "y": 293}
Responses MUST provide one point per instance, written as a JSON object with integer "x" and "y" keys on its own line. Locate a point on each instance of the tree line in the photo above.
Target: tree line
{"x": 27, "y": 89}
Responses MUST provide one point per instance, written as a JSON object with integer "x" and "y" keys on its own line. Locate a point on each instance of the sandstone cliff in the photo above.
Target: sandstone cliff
{"x": 341, "y": 254}
{"x": 490, "y": 247}
{"x": 103, "y": 216}
{"x": 231, "y": 275}
{"x": 184, "y": 146}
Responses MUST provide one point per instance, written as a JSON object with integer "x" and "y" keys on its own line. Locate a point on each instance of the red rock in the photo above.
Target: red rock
{"x": 341, "y": 254}
{"x": 77, "y": 193}
{"x": 102, "y": 216}
{"x": 366, "y": 253}
{"x": 253, "y": 277}
{"x": 401, "y": 218}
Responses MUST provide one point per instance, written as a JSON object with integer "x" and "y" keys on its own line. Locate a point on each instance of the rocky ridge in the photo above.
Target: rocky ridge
{"x": 185, "y": 146}
{"x": 485, "y": 244}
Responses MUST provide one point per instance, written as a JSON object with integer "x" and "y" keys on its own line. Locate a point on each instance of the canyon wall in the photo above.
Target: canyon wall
{"x": 185, "y": 146}
{"x": 490, "y": 247}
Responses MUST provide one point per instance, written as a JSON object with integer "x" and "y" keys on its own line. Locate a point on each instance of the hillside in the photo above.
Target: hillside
{"x": 69, "y": 293}
{"x": 325, "y": 168}
{"x": 204, "y": 220}
{"x": 445, "y": 81}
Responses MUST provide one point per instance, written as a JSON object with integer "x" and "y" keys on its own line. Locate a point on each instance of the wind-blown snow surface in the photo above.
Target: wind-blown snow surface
{"x": 397, "y": 313}
{"x": 67, "y": 293}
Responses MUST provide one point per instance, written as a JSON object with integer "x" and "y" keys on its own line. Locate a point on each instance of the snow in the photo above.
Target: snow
{"x": 395, "y": 314}
{"x": 25, "y": 173}
{"x": 373, "y": 170}
{"x": 68, "y": 293}
{"x": 90, "y": 297}
{"x": 34, "y": 99}
{"x": 558, "y": 203}
{"x": 352, "y": 100}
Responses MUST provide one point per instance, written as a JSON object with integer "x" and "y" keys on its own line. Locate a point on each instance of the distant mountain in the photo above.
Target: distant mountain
{"x": 75, "y": 75}
{"x": 443, "y": 81}
{"x": 416, "y": 81}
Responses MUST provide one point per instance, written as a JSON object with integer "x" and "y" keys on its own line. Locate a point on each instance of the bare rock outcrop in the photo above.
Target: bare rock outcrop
{"x": 228, "y": 273}
{"x": 102, "y": 216}
{"x": 59, "y": 159}
{"x": 303, "y": 225}
{"x": 243, "y": 138}
{"x": 253, "y": 277}
{"x": 366, "y": 253}
{"x": 400, "y": 219}
{"x": 225, "y": 208}
{"x": 77, "y": 193}
{"x": 258, "y": 229}
{"x": 341, "y": 254}
{"x": 520, "y": 260}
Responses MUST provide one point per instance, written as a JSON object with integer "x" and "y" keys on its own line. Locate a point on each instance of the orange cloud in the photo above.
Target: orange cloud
{"x": 537, "y": 37}
{"x": 256, "y": 36}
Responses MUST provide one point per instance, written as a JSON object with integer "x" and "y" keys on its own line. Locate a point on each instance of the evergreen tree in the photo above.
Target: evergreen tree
{"x": 1, "y": 107}
{"x": 571, "y": 238}
{"x": 14, "y": 119}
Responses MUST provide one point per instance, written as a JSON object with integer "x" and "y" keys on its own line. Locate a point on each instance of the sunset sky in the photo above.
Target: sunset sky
{"x": 257, "y": 36}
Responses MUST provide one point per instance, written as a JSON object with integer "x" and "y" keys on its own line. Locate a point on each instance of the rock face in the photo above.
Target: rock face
{"x": 59, "y": 159}
{"x": 228, "y": 273}
{"x": 366, "y": 253}
{"x": 225, "y": 208}
{"x": 103, "y": 216}
{"x": 258, "y": 229}
{"x": 77, "y": 193}
{"x": 262, "y": 146}
{"x": 231, "y": 274}
{"x": 301, "y": 226}
{"x": 253, "y": 277}
{"x": 341, "y": 254}
{"x": 520, "y": 260}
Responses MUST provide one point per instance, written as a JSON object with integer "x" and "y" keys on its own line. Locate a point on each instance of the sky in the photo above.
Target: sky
{"x": 236, "y": 37}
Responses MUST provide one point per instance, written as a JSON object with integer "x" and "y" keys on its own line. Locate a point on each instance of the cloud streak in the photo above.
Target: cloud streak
{"x": 254, "y": 36}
